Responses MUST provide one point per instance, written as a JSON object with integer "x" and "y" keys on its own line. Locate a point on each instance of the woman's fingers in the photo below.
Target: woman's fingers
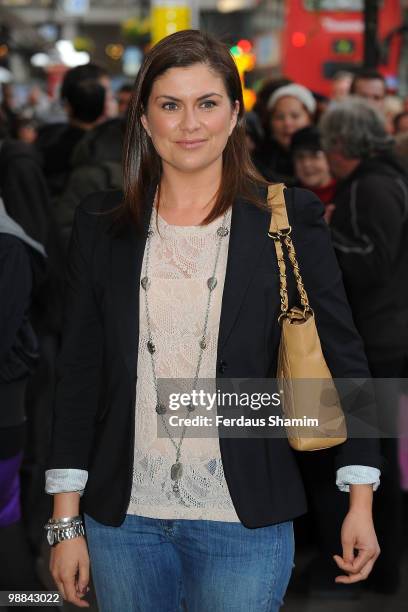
{"x": 364, "y": 557}
{"x": 356, "y": 577}
{"x": 67, "y": 587}
{"x": 83, "y": 577}
{"x": 348, "y": 550}
{"x": 355, "y": 565}
{"x": 360, "y": 568}
{"x": 71, "y": 592}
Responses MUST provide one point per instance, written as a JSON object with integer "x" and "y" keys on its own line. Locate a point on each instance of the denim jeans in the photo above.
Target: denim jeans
{"x": 157, "y": 565}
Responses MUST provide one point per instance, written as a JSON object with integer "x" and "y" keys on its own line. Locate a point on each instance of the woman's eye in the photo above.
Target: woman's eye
{"x": 169, "y": 106}
{"x": 209, "y": 104}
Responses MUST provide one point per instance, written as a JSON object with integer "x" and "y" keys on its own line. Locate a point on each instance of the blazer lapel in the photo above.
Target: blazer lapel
{"x": 126, "y": 266}
{"x": 249, "y": 236}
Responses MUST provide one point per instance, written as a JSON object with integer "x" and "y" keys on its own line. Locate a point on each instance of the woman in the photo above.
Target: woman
{"x": 291, "y": 108}
{"x": 182, "y": 282}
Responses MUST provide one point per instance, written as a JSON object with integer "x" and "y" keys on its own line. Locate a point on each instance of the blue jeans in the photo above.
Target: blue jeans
{"x": 157, "y": 565}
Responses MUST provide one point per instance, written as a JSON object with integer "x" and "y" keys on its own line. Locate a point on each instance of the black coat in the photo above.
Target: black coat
{"x": 370, "y": 234}
{"x": 94, "y": 418}
{"x": 15, "y": 289}
{"x": 56, "y": 142}
{"x": 20, "y": 266}
{"x": 96, "y": 165}
{"x": 27, "y": 202}
{"x": 274, "y": 162}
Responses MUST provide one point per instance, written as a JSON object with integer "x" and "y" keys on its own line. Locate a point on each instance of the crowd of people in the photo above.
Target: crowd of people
{"x": 352, "y": 155}
{"x": 350, "y": 150}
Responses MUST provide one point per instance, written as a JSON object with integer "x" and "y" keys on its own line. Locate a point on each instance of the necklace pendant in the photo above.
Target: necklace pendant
{"x": 203, "y": 344}
{"x": 191, "y": 408}
{"x": 145, "y": 282}
{"x": 151, "y": 347}
{"x": 212, "y": 283}
{"x": 222, "y": 231}
{"x": 160, "y": 408}
{"x": 176, "y": 489}
{"x": 176, "y": 471}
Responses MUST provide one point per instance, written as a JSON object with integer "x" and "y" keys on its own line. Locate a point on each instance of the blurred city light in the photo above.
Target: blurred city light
{"x": 298, "y": 39}
{"x": 69, "y": 56}
{"x": 245, "y": 61}
{"x": 228, "y": 6}
{"x": 76, "y": 7}
{"x": 83, "y": 43}
{"x": 132, "y": 59}
{"x": 168, "y": 18}
{"x": 40, "y": 60}
{"x": 236, "y": 51}
{"x": 114, "y": 51}
{"x": 5, "y": 75}
{"x": 49, "y": 31}
{"x": 245, "y": 45}
{"x": 137, "y": 30}
{"x": 249, "y": 98}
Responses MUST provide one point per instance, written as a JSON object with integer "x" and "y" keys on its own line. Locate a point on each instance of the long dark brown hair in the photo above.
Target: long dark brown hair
{"x": 142, "y": 164}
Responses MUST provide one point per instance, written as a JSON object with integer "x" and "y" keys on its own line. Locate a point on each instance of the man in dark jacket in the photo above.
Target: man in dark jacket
{"x": 370, "y": 234}
{"x": 370, "y": 229}
{"x": 96, "y": 165}
{"x": 85, "y": 94}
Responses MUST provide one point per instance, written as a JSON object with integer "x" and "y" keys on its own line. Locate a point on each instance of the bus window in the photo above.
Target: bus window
{"x": 334, "y": 5}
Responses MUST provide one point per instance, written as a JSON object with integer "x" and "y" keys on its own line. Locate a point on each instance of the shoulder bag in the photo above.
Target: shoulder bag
{"x": 309, "y": 397}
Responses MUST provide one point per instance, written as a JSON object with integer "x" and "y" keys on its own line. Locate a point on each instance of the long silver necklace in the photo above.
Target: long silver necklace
{"x": 176, "y": 470}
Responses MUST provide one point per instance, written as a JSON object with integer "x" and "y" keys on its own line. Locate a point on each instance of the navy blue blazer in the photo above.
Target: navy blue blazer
{"x": 95, "y": 401}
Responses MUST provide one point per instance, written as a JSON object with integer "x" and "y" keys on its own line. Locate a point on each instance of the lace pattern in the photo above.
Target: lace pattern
{"x": 181, "y": 261}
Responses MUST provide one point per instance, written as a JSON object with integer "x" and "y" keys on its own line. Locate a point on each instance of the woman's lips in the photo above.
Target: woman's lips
{"x": 190, "y": 144}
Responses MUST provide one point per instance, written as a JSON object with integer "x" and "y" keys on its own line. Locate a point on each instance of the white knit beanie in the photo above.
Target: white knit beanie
{"x": 295, "y": 91}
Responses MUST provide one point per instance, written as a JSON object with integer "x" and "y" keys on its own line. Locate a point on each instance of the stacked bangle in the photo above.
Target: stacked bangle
{"x": 65, "y": 528}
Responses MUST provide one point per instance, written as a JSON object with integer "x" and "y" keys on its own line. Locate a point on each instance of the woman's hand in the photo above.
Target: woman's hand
{"x": 69, "y": 566}
{"x": 358, "y": 534}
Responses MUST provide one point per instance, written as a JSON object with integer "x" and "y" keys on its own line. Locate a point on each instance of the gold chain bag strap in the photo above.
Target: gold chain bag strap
{"x": 303, "y": 376}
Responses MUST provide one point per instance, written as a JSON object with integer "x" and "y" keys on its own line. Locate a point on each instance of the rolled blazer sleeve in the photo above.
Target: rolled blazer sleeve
{"x": 79, "y": 367}
{"x": 341, "y": 343}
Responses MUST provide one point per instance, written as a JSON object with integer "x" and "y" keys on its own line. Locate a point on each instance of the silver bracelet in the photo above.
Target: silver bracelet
{"x": 68, "y": 528}
{"x": 64, "y": 520}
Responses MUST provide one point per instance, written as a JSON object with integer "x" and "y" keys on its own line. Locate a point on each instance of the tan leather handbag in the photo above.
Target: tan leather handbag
{"x": 308, "y": 393}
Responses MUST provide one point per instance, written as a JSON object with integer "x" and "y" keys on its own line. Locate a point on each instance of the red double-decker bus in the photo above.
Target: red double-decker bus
{"x": 323, "y": 37}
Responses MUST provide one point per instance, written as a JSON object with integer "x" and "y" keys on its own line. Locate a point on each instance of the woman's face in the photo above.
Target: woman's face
{"x": 288, "y": 116}
{"x": 312, "y": 168}
{"x": 189, "y": 117}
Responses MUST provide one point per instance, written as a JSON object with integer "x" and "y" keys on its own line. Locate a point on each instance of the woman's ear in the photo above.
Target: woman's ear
{"x": 234, "y": 116}
{"x": 145, "y": 124}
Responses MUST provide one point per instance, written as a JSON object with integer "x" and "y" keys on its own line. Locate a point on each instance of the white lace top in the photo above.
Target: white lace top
{"x": 181, "y": 261}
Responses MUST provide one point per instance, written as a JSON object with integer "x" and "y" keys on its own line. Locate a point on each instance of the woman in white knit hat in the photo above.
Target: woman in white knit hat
{"x": 291, "y": 108}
